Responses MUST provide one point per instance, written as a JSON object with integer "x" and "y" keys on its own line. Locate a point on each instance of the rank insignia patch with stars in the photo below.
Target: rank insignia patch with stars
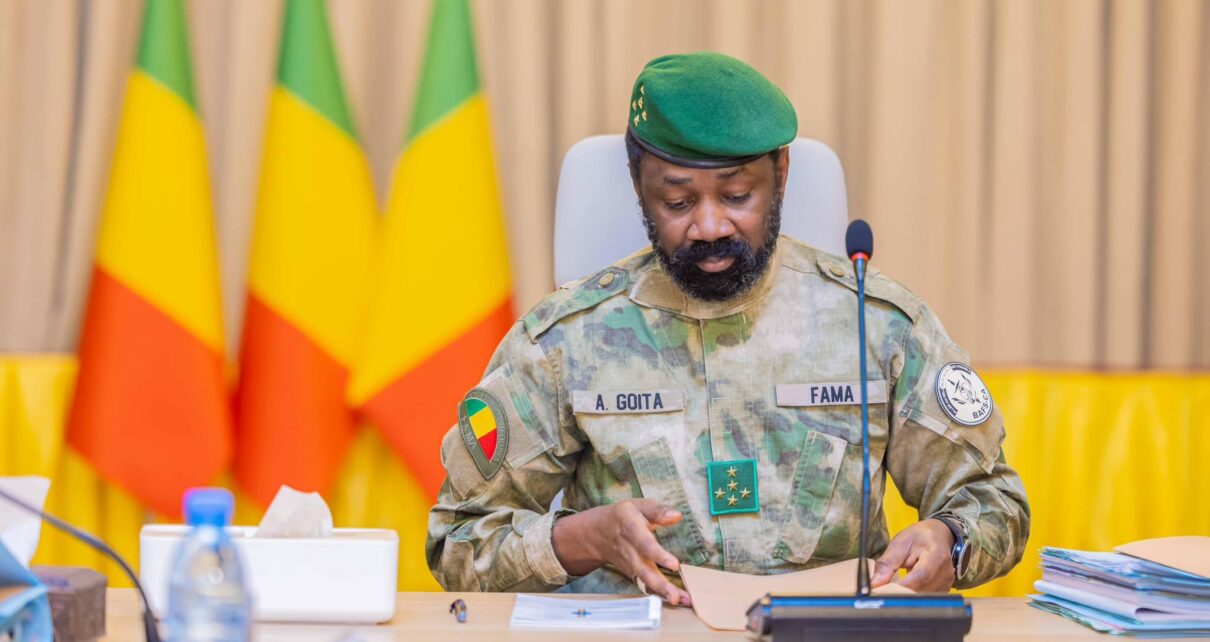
{"x": 733, "y": 487}
{"x": 963, "y": 395}
{"x": 484, "y": 427}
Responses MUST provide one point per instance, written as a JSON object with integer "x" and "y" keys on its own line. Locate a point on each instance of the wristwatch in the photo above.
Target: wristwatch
{"x": 960, "y": 554}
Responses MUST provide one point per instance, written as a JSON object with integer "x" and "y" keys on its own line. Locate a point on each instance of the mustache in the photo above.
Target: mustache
{"x": 719, "y": 248}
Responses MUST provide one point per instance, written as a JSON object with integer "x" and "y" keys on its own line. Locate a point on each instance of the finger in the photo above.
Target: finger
{"x": 657, "y": 513}
{"x": 893, "y": 558}
{"x": 647, "y": 571}
{"x": 644, "y": 542}
{"x": 658, "y": 584}
{"x": 928, "y": 573}
{"x": 651, "y": 550}
{"x": 655, "y": 581}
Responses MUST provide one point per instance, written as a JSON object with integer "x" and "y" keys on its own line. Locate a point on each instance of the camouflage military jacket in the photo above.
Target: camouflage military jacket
{"x": 620, "y": 386}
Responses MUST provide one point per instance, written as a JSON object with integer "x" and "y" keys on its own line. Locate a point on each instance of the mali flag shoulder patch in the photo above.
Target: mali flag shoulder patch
{"x": 484, "y": 426}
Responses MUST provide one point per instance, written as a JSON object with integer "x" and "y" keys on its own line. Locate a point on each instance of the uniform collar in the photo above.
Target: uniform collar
{"x": 654, "y": 288}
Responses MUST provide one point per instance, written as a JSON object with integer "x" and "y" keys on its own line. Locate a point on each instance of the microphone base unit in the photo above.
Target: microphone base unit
{"x": 899, "y": 618}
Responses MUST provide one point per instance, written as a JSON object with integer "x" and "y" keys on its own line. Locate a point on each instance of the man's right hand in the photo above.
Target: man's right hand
{"x": 622, "y": 536}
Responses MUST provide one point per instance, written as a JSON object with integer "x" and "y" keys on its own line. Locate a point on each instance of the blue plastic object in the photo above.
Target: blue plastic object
{"x": 25, "y": 614}
{"x": 208, "y": 597}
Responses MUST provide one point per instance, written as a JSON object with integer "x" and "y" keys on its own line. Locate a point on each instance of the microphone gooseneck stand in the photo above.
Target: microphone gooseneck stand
{"x": 863, "y": 565}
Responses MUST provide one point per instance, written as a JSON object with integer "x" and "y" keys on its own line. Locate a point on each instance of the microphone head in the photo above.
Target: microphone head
{"x": 859, "y": 239}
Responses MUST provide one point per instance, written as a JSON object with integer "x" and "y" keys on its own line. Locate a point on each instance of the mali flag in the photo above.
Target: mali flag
{"x": 151, "y": 403}
{"x": 443, "y": 293}
{"x": 310, "y": 268}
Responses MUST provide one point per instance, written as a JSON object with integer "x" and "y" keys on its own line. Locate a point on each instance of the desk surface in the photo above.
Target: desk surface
{"x": 424, "y": 616}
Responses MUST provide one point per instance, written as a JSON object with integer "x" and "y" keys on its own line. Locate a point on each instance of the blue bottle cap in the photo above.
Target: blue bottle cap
{"x": 209, "y": 506}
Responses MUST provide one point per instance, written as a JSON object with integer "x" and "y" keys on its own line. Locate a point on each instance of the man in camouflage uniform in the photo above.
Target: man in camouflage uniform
{"x": 699, "y": 402}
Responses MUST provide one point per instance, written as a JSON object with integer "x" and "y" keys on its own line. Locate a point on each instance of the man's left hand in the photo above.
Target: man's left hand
{"x": 924, "y": 550}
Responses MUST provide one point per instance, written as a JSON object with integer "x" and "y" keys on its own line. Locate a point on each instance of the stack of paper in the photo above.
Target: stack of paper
{"x": 1124, "y": 594}
{"x": 538, "y": 612}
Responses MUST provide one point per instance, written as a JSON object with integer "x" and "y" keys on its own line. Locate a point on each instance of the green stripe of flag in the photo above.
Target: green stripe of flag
{"x": 307, "y": 65}
{"x": 164, "y": 47}
{"x": 473, "y": 406}
{"x": 449, "y": 76}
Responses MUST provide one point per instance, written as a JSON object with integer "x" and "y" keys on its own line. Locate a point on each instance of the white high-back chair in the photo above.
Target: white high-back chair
{"x": 598, "y": 221}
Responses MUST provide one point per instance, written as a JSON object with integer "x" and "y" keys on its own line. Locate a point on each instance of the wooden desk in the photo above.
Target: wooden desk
{"x": 425, "y": 616}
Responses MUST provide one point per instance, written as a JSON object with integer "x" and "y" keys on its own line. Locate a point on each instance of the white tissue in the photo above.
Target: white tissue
{"x": 19, "y": 530}
{"x": 296, "y": 514}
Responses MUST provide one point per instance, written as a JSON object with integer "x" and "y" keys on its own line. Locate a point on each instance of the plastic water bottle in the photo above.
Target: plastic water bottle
{"x": 208, "y": 599}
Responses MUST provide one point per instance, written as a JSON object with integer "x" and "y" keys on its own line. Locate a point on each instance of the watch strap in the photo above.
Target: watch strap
{"x": 961, "y": 541}
{"x": 955, "y": 524}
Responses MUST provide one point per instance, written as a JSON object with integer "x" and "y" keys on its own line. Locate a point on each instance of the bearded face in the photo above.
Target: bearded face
{"x": 748, "y": 264}
{"x": 713, "y": 229}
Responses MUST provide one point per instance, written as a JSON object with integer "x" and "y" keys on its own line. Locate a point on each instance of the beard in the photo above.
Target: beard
{"x": 749, "y": 266}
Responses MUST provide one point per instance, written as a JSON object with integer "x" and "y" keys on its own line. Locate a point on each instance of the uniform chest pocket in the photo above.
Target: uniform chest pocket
{"x": 810, "y": 496}
{"x": 656, "y": 471}
{"x": 637, "y": 435}
{"x": 824, "y": 501}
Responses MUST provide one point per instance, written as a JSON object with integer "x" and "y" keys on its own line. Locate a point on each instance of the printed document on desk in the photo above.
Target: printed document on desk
{"x": 540, "y": 612}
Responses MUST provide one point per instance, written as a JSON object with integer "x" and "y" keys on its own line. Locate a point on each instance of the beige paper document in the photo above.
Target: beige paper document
{"x": 721, "y": 599}
{"x": 1190, "y": 554}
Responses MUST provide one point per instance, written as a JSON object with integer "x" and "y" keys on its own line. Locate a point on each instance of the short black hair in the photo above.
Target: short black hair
{"x": 635, "y": 154}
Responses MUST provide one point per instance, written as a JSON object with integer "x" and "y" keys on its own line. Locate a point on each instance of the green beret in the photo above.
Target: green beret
{"x": 708, "y": 110}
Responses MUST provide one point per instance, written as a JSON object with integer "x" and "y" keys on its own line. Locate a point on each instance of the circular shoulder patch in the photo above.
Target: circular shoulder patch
{"x": 963, "y": 395}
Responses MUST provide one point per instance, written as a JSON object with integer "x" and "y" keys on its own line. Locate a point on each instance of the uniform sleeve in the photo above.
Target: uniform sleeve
{"x": 491, "y": 527}
{"x": 943, "y": 466}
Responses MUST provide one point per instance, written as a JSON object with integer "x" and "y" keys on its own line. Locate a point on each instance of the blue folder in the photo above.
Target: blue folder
{"x": 24, "y": 602}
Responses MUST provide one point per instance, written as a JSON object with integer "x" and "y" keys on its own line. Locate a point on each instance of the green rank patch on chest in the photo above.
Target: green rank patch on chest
{"x": 733, "y": 487}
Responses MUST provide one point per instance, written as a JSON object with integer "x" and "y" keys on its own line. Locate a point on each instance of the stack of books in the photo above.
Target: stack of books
{"x": 1123, "y": 594}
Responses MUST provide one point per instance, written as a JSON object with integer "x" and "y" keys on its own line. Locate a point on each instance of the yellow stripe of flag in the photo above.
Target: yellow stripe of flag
{"x": 445, "y": 238}
{"x": 315, "y": 226}
{"x": 483, "y": 422}
{"x": 138, "y": 236}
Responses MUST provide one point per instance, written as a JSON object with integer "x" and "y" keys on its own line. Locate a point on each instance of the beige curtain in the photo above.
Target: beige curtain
{"x": 1038, "y": 170}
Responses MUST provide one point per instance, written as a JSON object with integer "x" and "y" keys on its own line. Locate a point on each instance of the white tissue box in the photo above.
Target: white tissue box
{"x": 348, "y": 577}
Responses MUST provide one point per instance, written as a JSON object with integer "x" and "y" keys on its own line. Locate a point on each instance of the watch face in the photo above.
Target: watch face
{"x": 962, "y": 559}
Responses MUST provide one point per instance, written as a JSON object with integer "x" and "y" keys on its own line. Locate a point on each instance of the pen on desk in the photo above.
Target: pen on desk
{"x": 458, "y": 608}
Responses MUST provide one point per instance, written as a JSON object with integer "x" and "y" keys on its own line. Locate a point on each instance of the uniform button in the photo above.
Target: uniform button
{"x": 836, "y": 270}
{"x": 605, "y": 279}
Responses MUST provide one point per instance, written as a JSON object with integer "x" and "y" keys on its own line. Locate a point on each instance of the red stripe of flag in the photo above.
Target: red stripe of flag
{"x": 416, "y": 409}
{"x": 147, "y": 392}
{"x": 303, "y": 426}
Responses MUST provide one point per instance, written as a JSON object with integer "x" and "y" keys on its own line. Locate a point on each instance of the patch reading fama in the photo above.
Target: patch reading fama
{"x": 963, "y": 395}
{"x": 484, "y": 427}
{"x": 608, "y": 402}
{"x": 828, "y": 394}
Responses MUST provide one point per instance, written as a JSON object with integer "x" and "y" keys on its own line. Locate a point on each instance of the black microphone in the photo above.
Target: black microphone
{"x": 859, "y": 245}
{"x": 150, "y": 627}
{"x": 813, "y": 618}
